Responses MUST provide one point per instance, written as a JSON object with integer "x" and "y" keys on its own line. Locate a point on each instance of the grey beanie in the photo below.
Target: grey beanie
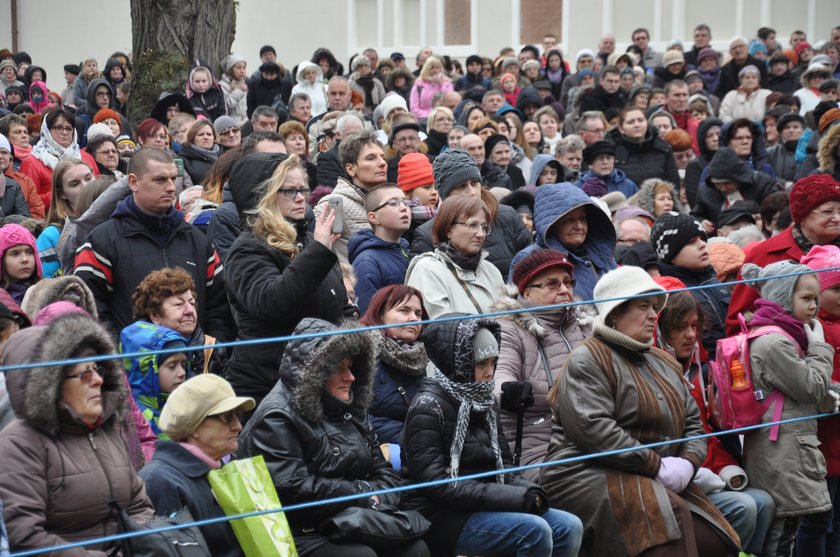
{"x": 223, "y": 123}
{"x": 485, "y": 345}
{"x": 779, "y": 290}
{"x": 453, "y": 168}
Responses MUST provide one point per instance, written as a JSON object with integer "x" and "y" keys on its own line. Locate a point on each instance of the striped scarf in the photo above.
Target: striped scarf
{"x": 476, "y": 397}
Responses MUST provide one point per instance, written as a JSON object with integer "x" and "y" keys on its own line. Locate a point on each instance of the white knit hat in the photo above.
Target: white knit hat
{"x": 624, "y": 281}
{"x": 391, "y": 102}
{"x": 96, "y": 130}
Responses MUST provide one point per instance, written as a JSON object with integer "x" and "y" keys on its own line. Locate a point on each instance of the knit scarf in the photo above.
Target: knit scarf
{"x": 555, "y": 76}
{"x": 211, "y": 154}
{"x": 462, "y": 260}
{"x": 771, "y": 313}
{"x": 51, "y": 153}
{"x": 23, "y": 153}
{"x": 407, "y": 358}
{"x": 472, "y": 397}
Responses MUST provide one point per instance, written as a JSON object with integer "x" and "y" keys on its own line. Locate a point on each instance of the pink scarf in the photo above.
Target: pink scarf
{"x": 200, "y": 455}
{"x": 771, "y": 313}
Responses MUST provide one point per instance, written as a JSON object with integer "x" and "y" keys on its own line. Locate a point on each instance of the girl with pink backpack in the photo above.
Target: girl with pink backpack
{"x": 799, "y": 364}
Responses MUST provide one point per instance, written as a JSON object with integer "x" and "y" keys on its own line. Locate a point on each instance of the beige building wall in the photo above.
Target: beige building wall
{"x": 55, "y": 34}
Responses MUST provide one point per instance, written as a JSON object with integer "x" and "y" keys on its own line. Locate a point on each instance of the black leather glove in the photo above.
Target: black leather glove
{"x": 536, "y": 501}
{"x": 516, "y": 395}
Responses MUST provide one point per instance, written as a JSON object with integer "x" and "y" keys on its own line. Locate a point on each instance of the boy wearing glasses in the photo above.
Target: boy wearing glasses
{"x": 380, "y": 256}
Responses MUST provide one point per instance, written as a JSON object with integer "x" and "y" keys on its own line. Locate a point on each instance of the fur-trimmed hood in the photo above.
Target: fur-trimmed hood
{"x": 826, "y": 153}
{"x": 450, "y": 345}
{"x": 646, "y": 196}
{"x": 66, "y": 288}
{"x": 308, "y": 363}
{"x": 35, "y": 393}
{"x": 536, "y": 322}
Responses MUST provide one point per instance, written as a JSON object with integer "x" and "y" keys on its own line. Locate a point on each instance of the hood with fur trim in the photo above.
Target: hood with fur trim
{"x": 66, "y": 288}
{"x": 645, "y": 198}
{"x": 35, "y": 393}
{"x": 307, "y": 65}
{"x": 827, "y": 151}
{"x": 308, "y": 363}
{"x": 449, "y": 345}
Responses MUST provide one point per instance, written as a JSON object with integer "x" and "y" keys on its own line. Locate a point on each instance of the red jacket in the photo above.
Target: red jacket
{"x": 36, "y": 206}
{"x": 829, "y": 428}
{"x": 780, "y": 247}
{"x": 41, "y": 174}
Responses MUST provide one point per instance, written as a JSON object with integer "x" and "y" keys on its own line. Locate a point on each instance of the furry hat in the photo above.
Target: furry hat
{"x": 778, "y": 290}
{"x": 308, "y": 363}
{"x": 65, "y": 288}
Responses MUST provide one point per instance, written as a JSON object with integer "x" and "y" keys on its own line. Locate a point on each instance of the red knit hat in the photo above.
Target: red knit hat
{"x": 414, "y": 171}
{"x": 802, "y": 46}
{"x": 536, "y": 262}
{"x": 810, "y": 192}
{"x": 105, "y": 114}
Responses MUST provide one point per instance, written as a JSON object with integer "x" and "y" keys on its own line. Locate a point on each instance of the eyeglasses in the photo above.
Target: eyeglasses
{"x": 291, "y": 193}
{"x": 103, "y": 94}
{"x": 230, "y": 131}
{"x": 827, "y": 213}
{"x": 86, "y": 376}
{"x": 108, "y": 152}
{"x": 553, "y": 285}
{"x": 393, "y": 203}
{"x": 475, "y": 227}
{"x": 227, "y": 417}
{"x": 62, "y": 129}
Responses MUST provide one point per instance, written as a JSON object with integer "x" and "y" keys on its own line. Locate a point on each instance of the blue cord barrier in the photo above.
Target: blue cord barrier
{"x": 271, "y": 340}
{"x": 434, "y": 483}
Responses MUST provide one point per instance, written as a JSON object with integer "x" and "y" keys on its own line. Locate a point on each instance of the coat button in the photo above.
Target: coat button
{"x": 348, "y": 416}
{"x": 336, "y": 451}
{"x": 659, "y": 396}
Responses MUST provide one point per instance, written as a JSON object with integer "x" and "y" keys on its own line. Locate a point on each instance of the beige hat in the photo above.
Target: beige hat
{"x": 672, "y": 56}
{"x": 199, "y": 397}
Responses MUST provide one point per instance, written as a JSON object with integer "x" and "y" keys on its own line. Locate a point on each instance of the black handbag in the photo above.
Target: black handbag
{"x": 183, "y": 542}
{"x": 379, "y": 528}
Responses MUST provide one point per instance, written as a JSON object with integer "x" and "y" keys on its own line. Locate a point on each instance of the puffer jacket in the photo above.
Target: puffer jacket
{"x": 13, "y": 201}
{"x": 616, "y": 181}
{"x": 646, "y": 197}
{"x": 355, "y": 215}
{"x": 429, "y": 433}
{"x": 59, "y": 475}
{"x": 317, "y": 447}
{"x": 695, "y": 168}
{"x": 652, "y": 158}
{"x": 507, "y": 237}
{"x": 316, "y": 93}
{"x": 713, "y": 301}
{"x": 827, "y": 153}
{"x": 525, "y": 336}
{"x": 143, "y": 336}
{"x": 377, "y": 264}
{"x": 792, "y": 467}
{"x": 753, "y": 185}
{"x": 269, "y": 294}
{"x": 593, "y": 258}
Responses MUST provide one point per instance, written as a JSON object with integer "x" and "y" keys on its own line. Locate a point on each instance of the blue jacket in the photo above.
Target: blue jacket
{"x": 390, "y": 406}
{"x": 593, "y": 258}
{"x": 143, "y": 336}
{"x": 616, "y": 181}
{"x": 377, "y": 263}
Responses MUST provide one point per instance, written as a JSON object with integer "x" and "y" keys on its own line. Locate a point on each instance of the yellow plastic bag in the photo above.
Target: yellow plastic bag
{"x": 243, "y": 486}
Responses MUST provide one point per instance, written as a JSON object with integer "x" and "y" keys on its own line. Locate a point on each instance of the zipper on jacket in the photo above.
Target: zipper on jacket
{"x": 92, "y": 439}
{"x": 568, "y": 346}
{"x": 403, "y": 394}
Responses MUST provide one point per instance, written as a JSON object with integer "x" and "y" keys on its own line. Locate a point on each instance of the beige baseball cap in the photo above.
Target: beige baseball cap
{"x": 196, "y": 399}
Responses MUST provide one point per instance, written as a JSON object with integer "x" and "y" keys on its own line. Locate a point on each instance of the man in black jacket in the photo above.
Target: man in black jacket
{"x": 606, "y": 95}
{"x": 740, "y": 59}
{"x": 147, "y": 233}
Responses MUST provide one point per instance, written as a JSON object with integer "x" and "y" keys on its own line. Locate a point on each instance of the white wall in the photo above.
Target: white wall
{"x": 57, "y": 32}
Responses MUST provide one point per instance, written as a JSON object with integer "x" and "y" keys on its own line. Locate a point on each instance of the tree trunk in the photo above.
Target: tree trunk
{"x": 168, "y": 37}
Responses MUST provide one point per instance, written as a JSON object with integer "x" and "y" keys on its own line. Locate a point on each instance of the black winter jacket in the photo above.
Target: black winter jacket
{"x": 196, "y": 164}
{"x": 428, "y": 435}
{"x": 175, "y": 479}
{"x": 783, "y": 160}
{"x": 329, "y": 168}
{"x": 315, "y": 447}
{"x": 119, "y": 253}
{"x": 652, "y": 158}
{"x": 694, "y": 170}
{"x": 754, "y": 185}
{"x": 507, "y": 238}
{"x": 269, "y": 295}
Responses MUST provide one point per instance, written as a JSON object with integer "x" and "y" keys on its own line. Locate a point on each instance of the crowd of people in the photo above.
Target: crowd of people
{"x": 310, "y": 201}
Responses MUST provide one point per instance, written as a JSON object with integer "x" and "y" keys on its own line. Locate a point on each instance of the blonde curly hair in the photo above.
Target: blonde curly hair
{"x": 270, "y": 225}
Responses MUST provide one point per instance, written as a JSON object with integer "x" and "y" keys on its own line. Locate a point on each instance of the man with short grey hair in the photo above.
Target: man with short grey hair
{"x": 329, "y": 167}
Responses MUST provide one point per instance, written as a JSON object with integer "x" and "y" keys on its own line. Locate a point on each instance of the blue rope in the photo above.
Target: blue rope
{"x": 271, "y": 340}
{"x": 355, "y": 497}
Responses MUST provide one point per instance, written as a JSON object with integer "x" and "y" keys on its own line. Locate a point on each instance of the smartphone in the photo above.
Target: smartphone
{"x": 338, "y": 209}
{"x": 180, "y": 164}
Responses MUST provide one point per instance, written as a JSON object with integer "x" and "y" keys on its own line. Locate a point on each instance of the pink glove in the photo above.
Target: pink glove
{"x": 675, "y": 473}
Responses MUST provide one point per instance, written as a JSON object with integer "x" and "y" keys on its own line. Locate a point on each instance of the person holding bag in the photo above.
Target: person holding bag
{"x": 202, "y": 419}
{"x": 314, "y": 433}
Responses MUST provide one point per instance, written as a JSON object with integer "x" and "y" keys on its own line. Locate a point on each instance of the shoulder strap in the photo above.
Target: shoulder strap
{"x": 454, "y": 272}
{"x": 545, "y": 363}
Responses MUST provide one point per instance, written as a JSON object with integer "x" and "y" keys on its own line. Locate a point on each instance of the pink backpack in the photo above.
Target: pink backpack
{"x": 731, "y": 408}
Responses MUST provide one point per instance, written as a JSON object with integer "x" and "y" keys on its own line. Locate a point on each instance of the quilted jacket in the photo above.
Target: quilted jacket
{"x": 377, "y": 263}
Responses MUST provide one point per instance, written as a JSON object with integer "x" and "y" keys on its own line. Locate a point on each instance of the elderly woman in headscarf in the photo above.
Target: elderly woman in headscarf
{"x": 451, "y": 431}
